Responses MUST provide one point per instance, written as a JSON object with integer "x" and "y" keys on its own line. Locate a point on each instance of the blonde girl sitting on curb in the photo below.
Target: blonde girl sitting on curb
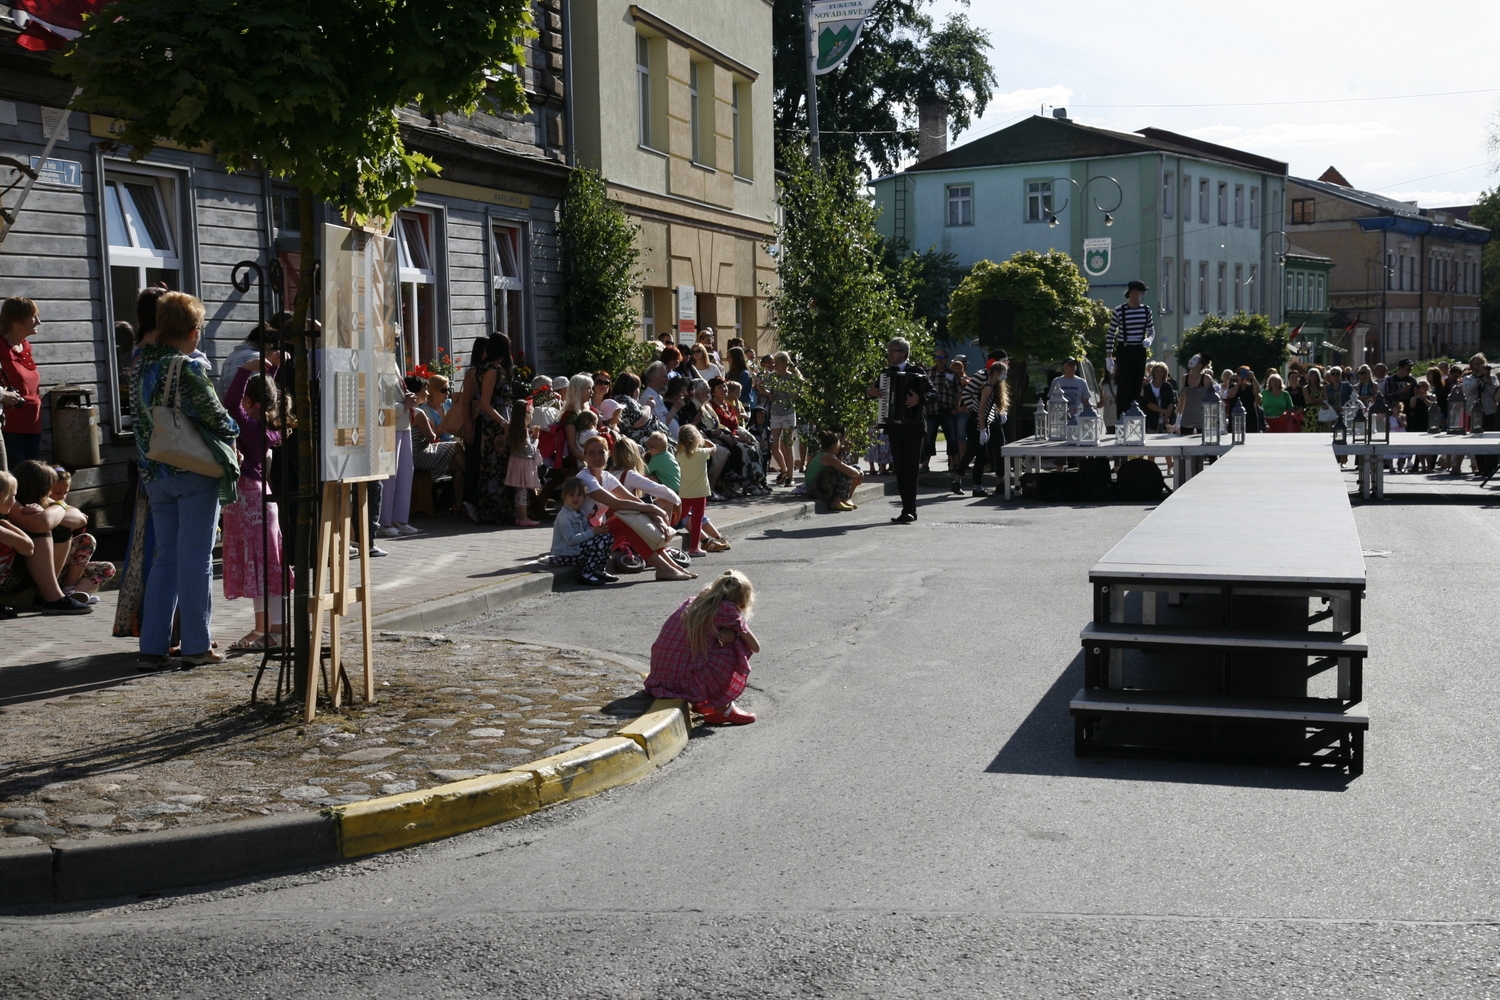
{"x": 702, "y": 654}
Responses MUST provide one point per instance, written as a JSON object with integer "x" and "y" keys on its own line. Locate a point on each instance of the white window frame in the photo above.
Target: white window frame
{"x": 1255, "y": 206}
{"x": 648, "y": 314}
{"x": 959, "y": 197}
{"x": 694, "y": 119}
{"x": 417, "y": 274}
{"x": 643, "y": 87}
{"x": 167, "y": 186}
{"x": 1038, "y": 200}
{"x": 508, "y": 312}
{"x": 1321, "y": 302}
{"x": 1168, "y": 193}
{"x": 1167, "y": 277}
{"x": 734, "y": 111}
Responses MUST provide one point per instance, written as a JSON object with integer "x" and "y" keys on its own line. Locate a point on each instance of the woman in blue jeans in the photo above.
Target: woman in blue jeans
{"x": 184, "y": 504}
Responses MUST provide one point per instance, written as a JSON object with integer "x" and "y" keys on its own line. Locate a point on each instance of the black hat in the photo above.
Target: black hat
{"x": 1404, "y": 363}
{"x": 1137, "y": 286}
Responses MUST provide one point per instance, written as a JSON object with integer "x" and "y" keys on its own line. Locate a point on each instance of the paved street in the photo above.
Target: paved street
{"x": 907, "y": 818}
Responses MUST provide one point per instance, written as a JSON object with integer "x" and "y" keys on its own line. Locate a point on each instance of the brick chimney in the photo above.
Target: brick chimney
{"x": 932, "y": 127}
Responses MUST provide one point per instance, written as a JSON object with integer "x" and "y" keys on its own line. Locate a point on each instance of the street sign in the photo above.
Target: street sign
{"x": 64, "y": 173}
{"x": 1096, "y": 254}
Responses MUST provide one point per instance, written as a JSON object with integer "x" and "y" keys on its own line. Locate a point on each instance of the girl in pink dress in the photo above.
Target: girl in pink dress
{"x": 520, "y": 471}
{"x": 703, "y": 652}
{"x": 252, "y": 529}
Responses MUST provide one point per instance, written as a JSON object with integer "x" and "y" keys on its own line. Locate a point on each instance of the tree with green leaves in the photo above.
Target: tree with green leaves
{"x": 924, "y": 281}
{"x": 1486, "y": 212}
{"x": 835, "y": 307}
{"x": 600, "y": 278}
{"x": 1053, "y": 315}
{"x": 867, "y": 107}
{"x": 308, "y": 92}
{"x": 1246, "y": 339}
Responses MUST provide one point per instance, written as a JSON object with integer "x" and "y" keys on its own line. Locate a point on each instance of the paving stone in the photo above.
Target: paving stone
{"x": 23, "y": 812}
{"x": 354, "y": 788}
{"x": 301, "y": 793}
{"x": 150, "y": 809}
{"x": 484, "y": 731}
{"x": 176, "y": 788}
{"x": 572, "y": 697}
{"x": 142, "y": 826}
{"x": 235, "y": 763}
{"x": 597, "y": 734}
{"x": 519, "y": 699}
{"x": 91, "y": 821}
{"x": 188, "y": 800}
{"x": 31, "y": 828}
{"x": 337, "y": 800}
{"x": 548, "y": 722}
{"x": 239, "y": 800}
{"x": 451, "y": 775}
{"x": 436, "y": 723}
{"x": 381, "y": 775}
{"x": 205, "y": 818}
{"x": 93, "y": 806}
{"x": 530, "y": 741}
{"x": 8, "y": 842}
{"x": 128, "y": 795}
{"x": 397, "y": 787}
{"x": 370, "y": 753}
{"x": 61, "y": 794}
{"x": 514, "y": 752}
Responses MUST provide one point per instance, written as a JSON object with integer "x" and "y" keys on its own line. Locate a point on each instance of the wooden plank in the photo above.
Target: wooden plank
{"x": 1314, "y": 711}
{"x": 1311, "y": 642}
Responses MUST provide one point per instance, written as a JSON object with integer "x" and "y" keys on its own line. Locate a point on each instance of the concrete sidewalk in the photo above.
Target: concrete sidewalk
{"x": 453, "y": 570}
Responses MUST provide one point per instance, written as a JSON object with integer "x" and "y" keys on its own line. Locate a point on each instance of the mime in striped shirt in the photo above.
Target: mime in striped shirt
{"x": 1131, "y": 330}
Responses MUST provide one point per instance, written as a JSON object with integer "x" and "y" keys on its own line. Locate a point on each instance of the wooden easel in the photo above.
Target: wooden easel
{"x": 331, "y": 593}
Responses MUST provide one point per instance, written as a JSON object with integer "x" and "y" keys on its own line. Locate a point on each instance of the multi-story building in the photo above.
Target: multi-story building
{"x": 673, "y": 105}
{"x": 478, "y": 251}
{"x": 1195, "y": 221}
{"x": 1407, "y": 279}
{"x": 1305, "y": 294}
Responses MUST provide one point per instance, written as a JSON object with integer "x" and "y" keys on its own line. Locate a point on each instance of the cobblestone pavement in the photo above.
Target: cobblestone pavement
{"x": 179, "y": 749}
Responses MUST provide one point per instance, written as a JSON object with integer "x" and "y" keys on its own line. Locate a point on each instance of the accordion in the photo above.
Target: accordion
{"x": 893, "y": 389}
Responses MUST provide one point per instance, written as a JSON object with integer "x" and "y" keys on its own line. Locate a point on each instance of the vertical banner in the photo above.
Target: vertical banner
{"x": 1096, "y": 252}
{"x": 836, "y": 25}
{"x": 360, "y": 381}
{"x": 687, "y": 314}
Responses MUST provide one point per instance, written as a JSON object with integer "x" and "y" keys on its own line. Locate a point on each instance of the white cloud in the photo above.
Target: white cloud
{"x": 1027, "y": 99}
{"x": 1290, "y": 134}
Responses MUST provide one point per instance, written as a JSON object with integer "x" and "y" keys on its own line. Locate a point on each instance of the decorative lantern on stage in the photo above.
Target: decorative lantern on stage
{"x": 1476, "y": 415}
{"x": 1237, "y": 423}
{"x": 1039, "y": 421}
{"x": 1340, "y": 430}
{"x": 1073, "y": 430}
{"x": 1456, "y": 411}
{"x": 1057, "y": 415}
{"x": 1358, "y": 425}
{"x": 1090, "y": 425}
{"x": 1434, "y": 417}
{"x": 1213, "y": 414}
{"x": 1131, "y": 429}
{"x": 1378, "y": 422}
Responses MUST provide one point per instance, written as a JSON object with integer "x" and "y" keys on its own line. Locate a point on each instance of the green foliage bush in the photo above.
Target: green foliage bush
{"x": 600, "y": 278}
{"x": 835, "y": 307}
{"x": 1246, "y": 339}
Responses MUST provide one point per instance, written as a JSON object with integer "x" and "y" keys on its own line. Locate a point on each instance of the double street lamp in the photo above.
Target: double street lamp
{"x": 1109, "y": 219}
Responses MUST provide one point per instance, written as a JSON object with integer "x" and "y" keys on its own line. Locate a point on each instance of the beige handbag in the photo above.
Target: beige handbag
{"x": 175, "y": 438}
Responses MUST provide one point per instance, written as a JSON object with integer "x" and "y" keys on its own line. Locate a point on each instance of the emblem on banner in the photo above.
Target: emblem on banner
{"x": 1096, "y": 255}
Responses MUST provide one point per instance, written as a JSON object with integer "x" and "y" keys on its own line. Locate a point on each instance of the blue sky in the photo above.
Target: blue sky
{"x": 1096, "y": 58}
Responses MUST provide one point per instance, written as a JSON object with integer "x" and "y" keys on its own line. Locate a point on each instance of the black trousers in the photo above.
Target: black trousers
{"x": 906, "y": 456}
{"x": 1130, "y": 372}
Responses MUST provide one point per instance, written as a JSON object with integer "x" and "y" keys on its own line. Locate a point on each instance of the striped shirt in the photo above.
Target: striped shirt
{"x": 1135, "y": 323}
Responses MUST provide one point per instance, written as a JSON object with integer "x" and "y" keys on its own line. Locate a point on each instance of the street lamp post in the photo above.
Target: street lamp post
{"x": 1109, "y": 219}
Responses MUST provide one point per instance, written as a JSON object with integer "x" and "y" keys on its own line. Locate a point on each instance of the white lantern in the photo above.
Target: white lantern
{"x": 1039, "y": 421}
{"x": 1378, "y": 422}
{"x": 1237, "y": 423}
{"x": 1132, "y": 426}
{"x": 1213, "y": 413}
{"x": 1434, "y": 417}
{"x": 1351, "y": 410}
{"x": 1359, "y": 427}
{"x": 1456, "y": 411}
{"x": 1073, "y": 430}
{"x": 1090, "y": 425}
{"x": 1057, "y": 415}
{"x": 1476, "y": 416}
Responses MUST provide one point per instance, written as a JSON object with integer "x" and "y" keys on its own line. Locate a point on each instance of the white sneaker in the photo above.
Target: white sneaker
{"x": 472, "y": 511}
{"x": 388, "y": 531}
{"x": 376, "y": 552}
{"x": 407, "y": 529}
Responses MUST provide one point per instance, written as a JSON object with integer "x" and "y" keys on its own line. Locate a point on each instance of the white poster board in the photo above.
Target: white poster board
{"x": 687, "y": 314}
{"x": 358, "y": 372}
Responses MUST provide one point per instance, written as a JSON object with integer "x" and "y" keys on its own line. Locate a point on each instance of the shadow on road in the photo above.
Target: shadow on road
{"x": 60, "y": 678}
{"x": 1043, "y": 744}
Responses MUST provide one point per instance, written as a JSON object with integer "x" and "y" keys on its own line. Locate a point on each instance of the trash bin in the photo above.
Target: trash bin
{"x": 75, "y": 426}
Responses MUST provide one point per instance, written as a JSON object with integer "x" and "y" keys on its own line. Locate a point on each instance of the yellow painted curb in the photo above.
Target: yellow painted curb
{"x": 587, "y": 770}
{"x": 661, "y": 732}
{"x": 393, "y": 821}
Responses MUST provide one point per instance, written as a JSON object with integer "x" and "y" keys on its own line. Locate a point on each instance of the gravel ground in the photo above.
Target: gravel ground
{"x": 185, "y": 749}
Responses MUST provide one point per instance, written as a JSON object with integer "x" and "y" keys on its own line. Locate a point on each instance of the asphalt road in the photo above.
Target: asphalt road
{"x": 907, "y": 819}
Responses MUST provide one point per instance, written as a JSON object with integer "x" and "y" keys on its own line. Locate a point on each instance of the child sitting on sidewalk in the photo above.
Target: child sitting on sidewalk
{"x": 829, "y": 477}
{"x": 702, "y": 654}
{"x": 576, "y": 542}
{"x": 693, "y": 454}
{"x": 77, "y": 576}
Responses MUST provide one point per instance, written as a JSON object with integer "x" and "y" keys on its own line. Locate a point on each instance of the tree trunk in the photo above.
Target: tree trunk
{"x": 307, "y": 478}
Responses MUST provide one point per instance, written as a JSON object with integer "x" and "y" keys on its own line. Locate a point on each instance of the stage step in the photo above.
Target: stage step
{"x": 1312, "y": 711}
{"x": 1311, "y": 643}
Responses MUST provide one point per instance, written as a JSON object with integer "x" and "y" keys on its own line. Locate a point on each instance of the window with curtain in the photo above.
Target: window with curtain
{"x": 643, "y": 87}
{"x": 509, "y": 283}
{"x": 417, "y": 274}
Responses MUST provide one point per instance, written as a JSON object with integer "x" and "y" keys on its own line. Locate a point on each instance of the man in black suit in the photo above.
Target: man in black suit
{"x": 906, "y": 436}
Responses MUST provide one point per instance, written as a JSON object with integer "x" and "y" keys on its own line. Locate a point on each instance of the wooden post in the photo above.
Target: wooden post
{"x": 330, "y": 592}
{"x": 365, "y": 595}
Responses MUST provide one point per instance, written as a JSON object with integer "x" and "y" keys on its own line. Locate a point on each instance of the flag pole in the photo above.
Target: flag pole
{"x": 812, "y": 85}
